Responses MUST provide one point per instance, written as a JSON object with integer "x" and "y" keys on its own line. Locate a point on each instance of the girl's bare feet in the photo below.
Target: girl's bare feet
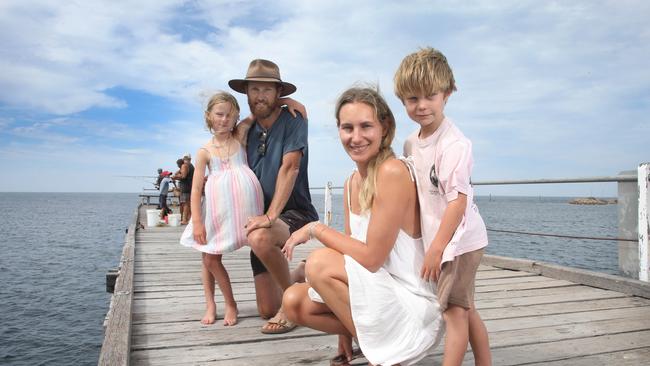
{"x": 210, "y": 314}
{"x": 230, "y": 316}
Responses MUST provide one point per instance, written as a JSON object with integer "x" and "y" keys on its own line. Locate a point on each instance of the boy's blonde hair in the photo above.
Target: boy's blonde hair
{"x": 218, "y": 98}
{"x": 424, "y": 72}
{"x": 370, "y": 96}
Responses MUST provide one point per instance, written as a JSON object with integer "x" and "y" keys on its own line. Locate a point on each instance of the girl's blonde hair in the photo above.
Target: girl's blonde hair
{"x": 370, "y": 96}
{"x": 218, "y": 98}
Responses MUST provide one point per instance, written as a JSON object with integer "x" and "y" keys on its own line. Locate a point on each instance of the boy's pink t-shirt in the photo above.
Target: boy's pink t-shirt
{"x": 443, "y": 165}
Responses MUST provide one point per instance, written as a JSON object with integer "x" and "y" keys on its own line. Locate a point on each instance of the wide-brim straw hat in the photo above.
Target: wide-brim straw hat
{"x": 262, "y": 70}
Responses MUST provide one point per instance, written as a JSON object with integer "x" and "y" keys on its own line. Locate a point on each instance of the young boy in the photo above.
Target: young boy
{"x": 452, "y": 229}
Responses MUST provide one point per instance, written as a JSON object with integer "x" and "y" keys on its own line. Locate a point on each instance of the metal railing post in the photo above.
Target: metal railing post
{"x": 644, "y": 224}
{"x": 327, "y": 207}
{"x": 628, "y": 214}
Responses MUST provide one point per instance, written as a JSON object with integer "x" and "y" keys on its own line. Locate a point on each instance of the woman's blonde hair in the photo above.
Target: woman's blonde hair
{"x": 218, "y": 98}
{"x": 370, "y": 96}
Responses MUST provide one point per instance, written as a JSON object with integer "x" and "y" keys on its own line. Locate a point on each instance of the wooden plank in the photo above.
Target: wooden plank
{"x": 633, "y": 357}
{"x": 564, "y": 350}
{"x": 547, "y": 283}
{"x": 246, "y": 308}
{"x": 531, "y": 322}
{"x": 562, "y": 307}
{"x": 585, "y": 294}
{"x": 590, "y": 278}
{"x": 213, "y": 336}
{"x": 501, "y": 274}
{"x": 117, "y": 335}
{"x": 567, "y": 333}
{"x": 273, "y": 349}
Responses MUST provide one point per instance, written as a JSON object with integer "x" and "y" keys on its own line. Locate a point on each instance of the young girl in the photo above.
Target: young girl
{"x": 232, "y": 195}
{"x": 366, "y": 284}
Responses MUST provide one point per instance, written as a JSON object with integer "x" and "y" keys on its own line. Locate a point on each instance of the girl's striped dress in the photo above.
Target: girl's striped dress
{"x": 232, "y": 195}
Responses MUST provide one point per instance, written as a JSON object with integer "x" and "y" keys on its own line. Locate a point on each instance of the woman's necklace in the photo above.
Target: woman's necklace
{"x": 225, "y": 159}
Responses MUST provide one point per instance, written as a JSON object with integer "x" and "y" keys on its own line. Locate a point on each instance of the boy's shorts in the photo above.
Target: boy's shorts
{"x": 456, "y": 281}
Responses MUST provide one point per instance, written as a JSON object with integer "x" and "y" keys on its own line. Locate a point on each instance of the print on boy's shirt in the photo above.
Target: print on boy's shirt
{"x": 434, "y": 180}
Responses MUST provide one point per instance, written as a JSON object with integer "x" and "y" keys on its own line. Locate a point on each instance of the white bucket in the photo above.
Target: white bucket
{"x": 153, "y": 216}
{"x": 174, "y": 219}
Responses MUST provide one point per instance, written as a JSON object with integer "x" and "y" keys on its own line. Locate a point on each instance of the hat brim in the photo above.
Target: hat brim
{"x": 239, "y": 85}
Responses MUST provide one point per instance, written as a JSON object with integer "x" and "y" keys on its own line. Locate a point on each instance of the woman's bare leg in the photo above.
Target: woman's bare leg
{"x": 300, "y": 309}
{"x": 325, "y": 272}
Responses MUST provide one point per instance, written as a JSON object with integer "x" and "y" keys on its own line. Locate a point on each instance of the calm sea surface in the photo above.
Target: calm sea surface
{"x": 56, "y": 249}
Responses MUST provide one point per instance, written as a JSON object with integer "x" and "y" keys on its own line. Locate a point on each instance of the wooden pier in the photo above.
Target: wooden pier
{"x": 536, "y": 313}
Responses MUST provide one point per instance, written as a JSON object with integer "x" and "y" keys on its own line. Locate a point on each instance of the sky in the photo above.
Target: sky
{"x": 96, "y": 95}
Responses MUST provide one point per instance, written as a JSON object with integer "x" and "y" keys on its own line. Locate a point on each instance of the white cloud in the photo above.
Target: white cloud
{"x": 535, "y": 79}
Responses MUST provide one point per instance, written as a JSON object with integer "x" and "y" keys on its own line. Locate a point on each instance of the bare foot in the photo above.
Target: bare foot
{"x": 210, "y": 314}
{"x": 230, "y": 316}
{"x": 298, "y": 274}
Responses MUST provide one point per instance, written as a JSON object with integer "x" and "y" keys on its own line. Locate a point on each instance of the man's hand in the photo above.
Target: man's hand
{"x": 258, "y": 222}
{"x": 431, "y": 266}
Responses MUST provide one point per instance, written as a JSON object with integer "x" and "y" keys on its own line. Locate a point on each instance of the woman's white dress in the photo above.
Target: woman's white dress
{"x": 395, "y": 313}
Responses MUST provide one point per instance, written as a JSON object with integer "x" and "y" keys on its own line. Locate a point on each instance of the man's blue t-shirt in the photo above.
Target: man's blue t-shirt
{"x": 287, "y": 134}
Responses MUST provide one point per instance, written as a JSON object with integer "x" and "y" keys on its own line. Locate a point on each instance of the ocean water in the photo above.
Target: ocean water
{"x": 549, "y": 215}
{"x": 57, "y": 248}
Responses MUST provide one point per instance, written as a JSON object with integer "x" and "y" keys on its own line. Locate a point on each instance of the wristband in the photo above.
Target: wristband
{"x": 311, "y": 229}
{"x": 268, "y": 218}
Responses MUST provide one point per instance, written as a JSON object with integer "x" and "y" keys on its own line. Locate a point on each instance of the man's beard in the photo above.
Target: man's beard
{"x": 261, "y": 109}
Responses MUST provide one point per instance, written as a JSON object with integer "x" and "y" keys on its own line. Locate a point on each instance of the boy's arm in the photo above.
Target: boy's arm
{"x": 293, "y": 106}
{"x": 448, "y": 225}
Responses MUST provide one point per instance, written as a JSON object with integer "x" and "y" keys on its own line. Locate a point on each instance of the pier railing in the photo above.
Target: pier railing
{"x": 633, "y": 216}
{"x": 117, "y": 327}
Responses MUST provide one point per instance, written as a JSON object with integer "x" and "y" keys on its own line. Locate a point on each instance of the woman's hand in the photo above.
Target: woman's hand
{"x": 298, "y": 237}
{"x": 198, "y": 230}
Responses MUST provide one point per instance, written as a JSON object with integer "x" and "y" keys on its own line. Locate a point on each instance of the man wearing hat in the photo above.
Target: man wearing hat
{"x": 278, "y": 155}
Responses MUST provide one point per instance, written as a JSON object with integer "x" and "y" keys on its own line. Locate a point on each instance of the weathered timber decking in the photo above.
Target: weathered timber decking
{"x": 532, "y": 319}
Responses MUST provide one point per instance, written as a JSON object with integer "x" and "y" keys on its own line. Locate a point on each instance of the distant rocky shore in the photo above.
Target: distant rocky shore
{"x": 592, "y": 201}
